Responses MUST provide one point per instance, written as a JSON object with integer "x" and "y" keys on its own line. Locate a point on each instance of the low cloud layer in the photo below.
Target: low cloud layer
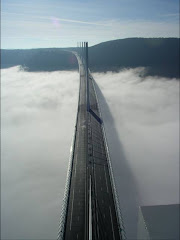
{"x": 141, "y": 117}
{"x": 38, "y": 117}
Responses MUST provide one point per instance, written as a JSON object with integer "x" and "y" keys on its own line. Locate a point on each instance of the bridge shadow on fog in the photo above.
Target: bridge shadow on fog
{"x": 124, "y": 179}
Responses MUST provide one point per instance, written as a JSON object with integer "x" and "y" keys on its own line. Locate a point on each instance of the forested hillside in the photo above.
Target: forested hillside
{"x": 159, "y": 55}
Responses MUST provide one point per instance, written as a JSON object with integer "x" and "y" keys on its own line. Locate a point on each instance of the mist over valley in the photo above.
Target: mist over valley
{"x": 141, "y": 118}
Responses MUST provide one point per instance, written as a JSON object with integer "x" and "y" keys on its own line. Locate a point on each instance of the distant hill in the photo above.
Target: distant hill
{"x": 47, "y": 59}
{"x": 159, "y": 55}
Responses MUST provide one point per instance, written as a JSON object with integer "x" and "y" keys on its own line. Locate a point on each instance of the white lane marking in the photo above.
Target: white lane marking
{"x": 77, "y": 236}
{"x": 75, "y": 163}
{"x": 90, "y": 211}
{"x": 98, "y": 231}
{"x": 78, "y": 140}
{"x": 96, "y": 198}
{"x": 72, "y": 209}
{"x": 95, "y": 181}
{"x": 85, "y": 210}
{"x": 78, "y": 137}
{"x": 97, "y": 222}
{"x": 106, "y": 179}
{"x": 112, "y": 222}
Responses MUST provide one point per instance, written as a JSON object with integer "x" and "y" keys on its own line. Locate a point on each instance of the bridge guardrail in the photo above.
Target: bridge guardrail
{"x": 63, "y": 214}
{"x": 66, "y": 195}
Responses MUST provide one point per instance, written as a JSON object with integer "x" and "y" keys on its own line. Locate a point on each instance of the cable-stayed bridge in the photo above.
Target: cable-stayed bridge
{"x": 90, "y": 208}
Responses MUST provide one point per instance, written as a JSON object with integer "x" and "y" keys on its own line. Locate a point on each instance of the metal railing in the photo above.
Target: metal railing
{"x": 66, "y": 191}
{"x": 63, "y": 215}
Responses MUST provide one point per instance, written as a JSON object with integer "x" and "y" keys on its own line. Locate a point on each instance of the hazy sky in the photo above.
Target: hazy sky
{"x": 62, "y": 23}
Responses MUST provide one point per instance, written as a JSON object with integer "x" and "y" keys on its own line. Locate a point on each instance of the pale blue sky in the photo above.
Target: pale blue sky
{"x": 63, "y": 23}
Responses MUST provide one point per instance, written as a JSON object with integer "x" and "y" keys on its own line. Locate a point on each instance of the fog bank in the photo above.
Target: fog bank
{"x": 38, "y": 112}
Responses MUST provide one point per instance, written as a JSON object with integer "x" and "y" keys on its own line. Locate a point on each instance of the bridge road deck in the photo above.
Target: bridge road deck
{"x": 90, "y": 163}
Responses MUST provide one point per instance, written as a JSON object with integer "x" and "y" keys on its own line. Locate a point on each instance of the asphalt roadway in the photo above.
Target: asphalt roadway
{"x": 91, "y": 210}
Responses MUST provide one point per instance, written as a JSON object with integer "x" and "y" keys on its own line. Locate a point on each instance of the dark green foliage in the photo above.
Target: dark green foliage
{"x": 159, "y": 55}
{"x": 39, "y": 59}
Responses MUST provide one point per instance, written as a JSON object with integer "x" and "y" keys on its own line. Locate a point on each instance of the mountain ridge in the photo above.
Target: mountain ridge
{"x": 160, "y": 56}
